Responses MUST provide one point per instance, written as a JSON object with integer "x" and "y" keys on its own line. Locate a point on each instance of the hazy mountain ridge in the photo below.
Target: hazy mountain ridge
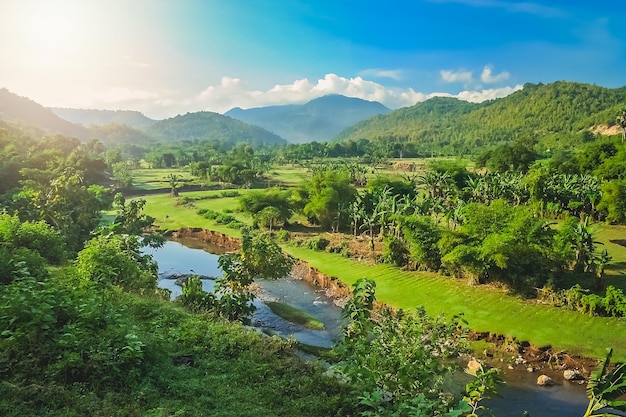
{"x": 25, "y": 114}
{"x": 547, "y": 112}
{"x": 318, "y": 120}
{"x": 20, "y": 114}
{"x": 211, "y": 126}
{"x": 91, "y": 117}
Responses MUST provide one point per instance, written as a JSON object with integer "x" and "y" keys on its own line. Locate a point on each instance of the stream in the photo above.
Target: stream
{"x": 185, "y": 256}
{"x": 519, "y": 394}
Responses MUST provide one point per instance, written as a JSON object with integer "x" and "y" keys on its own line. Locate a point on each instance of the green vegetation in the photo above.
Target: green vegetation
{"x": 553, "y": 113}
{"x": 531, "y": 229}
{"x": 294, "y": 315}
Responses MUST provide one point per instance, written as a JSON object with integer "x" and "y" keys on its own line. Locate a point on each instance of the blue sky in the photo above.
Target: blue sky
{"x": 166, "y": 57}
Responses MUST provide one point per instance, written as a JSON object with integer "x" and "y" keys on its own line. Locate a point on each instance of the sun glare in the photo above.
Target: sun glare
{"x": 52, "y": 33}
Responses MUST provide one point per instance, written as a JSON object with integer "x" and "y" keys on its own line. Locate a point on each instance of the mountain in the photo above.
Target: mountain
{"x": 318, "y": 120}
{"x": 32, "y": 117}
{"x": 211, "y": 126}
{"x": 555, "y": 114}
{"x": 90, "y": 117}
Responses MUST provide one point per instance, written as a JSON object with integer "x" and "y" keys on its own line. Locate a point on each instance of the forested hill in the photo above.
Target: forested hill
{"x": 30, "y": 117}
{"x": 211, "y": 126}
{"x": 556, "y": 113}
{"x": 318, "y": 120}
{"x": 89, "y": 117}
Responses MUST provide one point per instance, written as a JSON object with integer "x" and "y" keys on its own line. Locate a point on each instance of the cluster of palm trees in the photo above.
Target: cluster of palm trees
{"x": 443, "y": 197}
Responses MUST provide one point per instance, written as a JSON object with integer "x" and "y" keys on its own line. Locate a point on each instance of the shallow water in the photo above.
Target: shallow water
{"x": 179, "y": 257}
{"x": 521, "y": 393}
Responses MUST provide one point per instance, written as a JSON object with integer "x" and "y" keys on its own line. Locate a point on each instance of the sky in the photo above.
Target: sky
{"x": 169, "y": 57}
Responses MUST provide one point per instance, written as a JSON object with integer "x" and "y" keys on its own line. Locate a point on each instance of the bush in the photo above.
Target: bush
{"x": 612, "y": 304}
{"x": 283, "y": 235}
{"x": 230, "y": 193}
{"x": 395, "y": 251}
{"x": 317, "y": 243}
{"x": 210, "y": 214}
{"x": 111, "y": 260}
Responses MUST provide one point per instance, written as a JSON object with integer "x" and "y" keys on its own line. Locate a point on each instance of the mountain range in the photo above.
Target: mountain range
{"x": 318, "y": 120}
{"x": 554, "y": 114}
{"x": 92, "y": 117}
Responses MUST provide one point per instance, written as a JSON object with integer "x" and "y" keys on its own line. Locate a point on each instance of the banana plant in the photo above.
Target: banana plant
{"x": 605, "y": 389}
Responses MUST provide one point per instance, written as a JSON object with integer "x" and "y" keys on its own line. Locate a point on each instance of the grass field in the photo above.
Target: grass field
{"x": 485, "y": 308}
{"x": 151, "y": 179}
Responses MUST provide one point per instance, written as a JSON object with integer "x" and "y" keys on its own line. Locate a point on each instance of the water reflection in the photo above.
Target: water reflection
{"x": 191, "y": 257}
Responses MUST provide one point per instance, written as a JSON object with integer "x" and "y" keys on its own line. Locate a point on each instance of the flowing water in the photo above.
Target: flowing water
{"x": 189, "y": 256}
{"x": 520, "y": 393}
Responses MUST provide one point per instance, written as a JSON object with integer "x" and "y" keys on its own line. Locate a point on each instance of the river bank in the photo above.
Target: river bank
{"x": 505, "y": 352}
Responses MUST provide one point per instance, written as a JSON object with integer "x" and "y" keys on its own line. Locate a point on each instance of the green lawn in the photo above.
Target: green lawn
{"x": 150, "y": 179}
{"x": 485, "y": 309}
{"x": 170, "y": 216}
{"x": 616, "y": 270}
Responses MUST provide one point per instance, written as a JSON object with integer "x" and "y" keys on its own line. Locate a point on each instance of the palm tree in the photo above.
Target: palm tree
{"x": 584, "y": 246}
{"x": 174, "y": 181}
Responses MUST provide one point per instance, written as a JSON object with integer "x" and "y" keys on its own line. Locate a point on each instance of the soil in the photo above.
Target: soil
{"x": 521, "y": 356}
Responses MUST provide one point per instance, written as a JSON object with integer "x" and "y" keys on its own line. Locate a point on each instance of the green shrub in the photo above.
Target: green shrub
{"x": 395, "y": 251}
{"x": 317, "y": 243}
{"x": 230, "y": 193}
{"x": 111, "y": 260}
{"x": 283, "y": 235}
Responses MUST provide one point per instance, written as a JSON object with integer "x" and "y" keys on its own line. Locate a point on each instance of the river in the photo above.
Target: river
{"x": 519, "y": 394}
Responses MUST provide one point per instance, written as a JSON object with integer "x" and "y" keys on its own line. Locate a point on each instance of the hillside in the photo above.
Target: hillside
{"x": 318, "y": 120}
{"x": 211, "y": 126}
{"x": 29, "y": 116}
{"x": 89, "y": 117}
{"x": 556, "y": 114}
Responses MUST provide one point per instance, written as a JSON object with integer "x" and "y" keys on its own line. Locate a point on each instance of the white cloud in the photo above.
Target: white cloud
{"x": 382, "y": 73}
{"x": 234, "y": 92}
{"x": 488, "y": 77}
{"x": 487, "y": 94}
{"x": 231, "y": 92}
{"x": 460, "y": 76}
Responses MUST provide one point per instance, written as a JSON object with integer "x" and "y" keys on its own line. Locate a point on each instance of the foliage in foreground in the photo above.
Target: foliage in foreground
{"x": 606, "y": 389}
{"x": 401, "y": 362}
{"x": 67, "y": 350}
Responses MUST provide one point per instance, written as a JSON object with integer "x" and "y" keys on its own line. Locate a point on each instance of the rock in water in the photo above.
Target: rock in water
{"x": 545, "y": 381}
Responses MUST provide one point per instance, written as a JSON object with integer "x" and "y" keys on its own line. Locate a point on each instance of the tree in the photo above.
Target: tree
{"x": 422, "y": 235}
{"x": 67, "y": 203}
{"x": 109, "y": 260}
{"x": 621, "y": 121}
{"x": 256, "y": 201}
{"x": 122, "y": 174}
{"x": 613, "y": 201}
{"x": 258, "y": 257}
{"x": 174, "y": 181}
{"x": 584, "y": 245}
{"x": 269, "y": 217}
{"x": 330, "y": 194}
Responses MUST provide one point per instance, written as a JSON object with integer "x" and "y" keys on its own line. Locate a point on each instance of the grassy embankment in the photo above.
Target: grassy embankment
{"x": 190, "y": 366}
{"x": 485, "y": 308}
